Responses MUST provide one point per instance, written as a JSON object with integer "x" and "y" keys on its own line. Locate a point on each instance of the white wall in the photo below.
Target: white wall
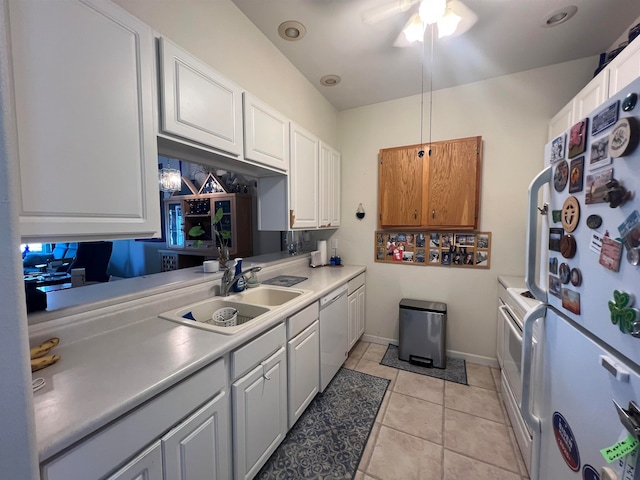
{"x": 219, "y": 34}
{"x": 511, "y": 113}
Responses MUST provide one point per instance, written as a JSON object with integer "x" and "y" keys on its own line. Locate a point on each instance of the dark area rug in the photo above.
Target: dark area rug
{"x": 328, "y": 440}
{"x": 456, "y": 370}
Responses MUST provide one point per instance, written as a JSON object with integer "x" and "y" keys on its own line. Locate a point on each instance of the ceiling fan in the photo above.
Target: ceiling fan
{"x": 452, "y": 17}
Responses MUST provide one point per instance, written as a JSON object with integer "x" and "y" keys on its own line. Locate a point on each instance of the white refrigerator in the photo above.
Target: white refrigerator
{"x": 586, "y": 419}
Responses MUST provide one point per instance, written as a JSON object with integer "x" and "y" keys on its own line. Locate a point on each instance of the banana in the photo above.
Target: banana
{"x": 42, "y": 362}
{"x": 43, "y": 348}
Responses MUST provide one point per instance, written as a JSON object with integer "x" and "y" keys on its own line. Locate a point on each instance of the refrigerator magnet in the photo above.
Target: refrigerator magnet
{"x": 629, "y": 102}
{"x": 553, "y": 265}
{"x": 630, "y": 231}
{"x": 597, "y": 186}
{"x": 555, "y": 288}
{"x": 561, "y": 176}
{"x": 599, "y": 153}
{"x": 565, "y": 273}
{"x": 622, "y": 312}
{"x": 576, "y": 277}
{"x": 594, "y": 221}
{"x": 568, "y": 246}
{"x": 604, "y": 119}
{"x": 623, "y": 138}
{"x": 556, "y": 216}
{"x": 610, "y": 254}
{"x": 557, "y": 148}
{"x": 576, "y": 175}
{"x": 555, "y": 235}
{"x": 570, "y": 214}
{"x": 571, "y": 301}
{"x": 578, "y": 138}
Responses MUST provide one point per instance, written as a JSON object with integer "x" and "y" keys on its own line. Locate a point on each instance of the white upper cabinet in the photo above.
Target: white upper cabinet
{"x": 84, "y": 116}
{"x": 197, "y": 103}
{"x": 329, "y": 178}
{"x": 303, "y": 179}
{"x": 625, "y": 67}
{"x": 266, "y": 134}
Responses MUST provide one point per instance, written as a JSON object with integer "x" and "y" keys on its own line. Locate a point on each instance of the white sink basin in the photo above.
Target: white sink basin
{"x": 199, "y": 314}
{"x": 267, "y": 296}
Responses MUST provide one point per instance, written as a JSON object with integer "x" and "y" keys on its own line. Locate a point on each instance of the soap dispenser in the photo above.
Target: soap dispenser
{"x": 240, "y": 285}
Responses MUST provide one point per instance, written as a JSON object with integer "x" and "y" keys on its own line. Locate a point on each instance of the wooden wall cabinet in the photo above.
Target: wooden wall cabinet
{"x": 440, "y": 190}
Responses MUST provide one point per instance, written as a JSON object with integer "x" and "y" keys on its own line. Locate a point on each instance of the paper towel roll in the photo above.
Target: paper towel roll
{"x": 322, "y": 247}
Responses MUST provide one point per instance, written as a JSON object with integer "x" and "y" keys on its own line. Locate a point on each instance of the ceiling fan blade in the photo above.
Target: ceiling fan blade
{"x": 401, "y": 39}
{"x": 386, "y": 10}
{"x": 468, "y": 17}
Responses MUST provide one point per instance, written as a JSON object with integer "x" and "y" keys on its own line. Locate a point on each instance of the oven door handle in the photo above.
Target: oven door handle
{"x": 527, "y": 360}
{"x": 510, "y": 318}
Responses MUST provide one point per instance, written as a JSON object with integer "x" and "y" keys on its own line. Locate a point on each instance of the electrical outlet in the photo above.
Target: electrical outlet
{"x": 334, "y": 243}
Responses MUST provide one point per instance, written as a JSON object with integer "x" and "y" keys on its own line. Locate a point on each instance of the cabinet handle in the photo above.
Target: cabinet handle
{"x": 415, "y": 214}
{"x": 264, "y": 372}
{"x": 433, "y": 214}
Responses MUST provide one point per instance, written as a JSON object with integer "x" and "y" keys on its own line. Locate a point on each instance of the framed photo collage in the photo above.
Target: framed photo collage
{"x": 457, "y": 249}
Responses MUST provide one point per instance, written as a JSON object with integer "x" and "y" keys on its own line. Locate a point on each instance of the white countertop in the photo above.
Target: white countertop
{"x": 102, "y": 377}
{"x": 508, "y": 281}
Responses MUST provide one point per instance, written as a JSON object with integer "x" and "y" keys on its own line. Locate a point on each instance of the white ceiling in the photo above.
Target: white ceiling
{"x": 507, "y": 38}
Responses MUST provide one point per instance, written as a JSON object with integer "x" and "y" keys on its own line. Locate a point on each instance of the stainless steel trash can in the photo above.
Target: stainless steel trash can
{"x": 423, "y": 332}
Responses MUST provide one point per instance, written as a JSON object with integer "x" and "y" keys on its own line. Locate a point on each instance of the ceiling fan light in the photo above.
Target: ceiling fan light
{"x": 414, "y": 31}
{"x": 448, "y": 23}
{"x": 432, "y": 10}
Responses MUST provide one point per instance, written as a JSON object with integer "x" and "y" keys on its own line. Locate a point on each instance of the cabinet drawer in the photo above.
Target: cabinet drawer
{"x": 99, "y": 454}
{"x": 301, "y": 320}
{"x": 248, "y": 356}
{"x": 355, "y": 283}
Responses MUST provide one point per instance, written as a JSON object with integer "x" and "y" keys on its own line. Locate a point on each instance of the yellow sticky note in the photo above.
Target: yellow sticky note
{"x": 620, "y": 449}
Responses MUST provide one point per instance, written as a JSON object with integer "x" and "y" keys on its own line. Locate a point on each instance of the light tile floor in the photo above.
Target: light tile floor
{"x": 430, "y": 429}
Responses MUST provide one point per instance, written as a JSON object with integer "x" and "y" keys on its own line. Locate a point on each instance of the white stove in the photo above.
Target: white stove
{"x": 520, "y": 303}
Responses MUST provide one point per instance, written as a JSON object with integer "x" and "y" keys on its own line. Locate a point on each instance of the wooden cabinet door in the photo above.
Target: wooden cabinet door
{"x": 198, "y": 103}
{"x": 84, "y": 115}
{"x": 303, "y": 353}
{"x": 200, "y": 446}
{"x": 266, "y": 134}
{"x": 400, "y": 187}
{"x": 303, "y": 179}
{"x": 259, "y": 415}
{"x": 453, "y": 191}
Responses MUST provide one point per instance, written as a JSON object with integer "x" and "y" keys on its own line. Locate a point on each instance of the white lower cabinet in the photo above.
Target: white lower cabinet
{"x": 199, "y": 447}
{"x": 357, "y": 305}
{"x": 259, "y": 401}
{"x": 146, "y": 466}
{"x": 304, "y": 370}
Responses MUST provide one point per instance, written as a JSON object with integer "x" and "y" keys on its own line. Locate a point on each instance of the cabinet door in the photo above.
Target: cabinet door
{"x": 146, "y": 466}
{"x": 303, "y": 179}
{"x": 591, "y": 96}
{"x": 353, "y": 319}
{"x": 198, "y": 448}
{"x": 453, "y": 184}
{"x": 400, "y": 187}
{"x": 329, "y": 215}
{"x": 303, "y": 356}
{"x": 259, "y": 414}
{"x": 624, "y": 68}
{"x": 266, "y": 134}
{"x": 361, "y": 303}
{"x": 561, "y": 122}
{"x": 86, "y": 145}
{"x": 197, "y": 103}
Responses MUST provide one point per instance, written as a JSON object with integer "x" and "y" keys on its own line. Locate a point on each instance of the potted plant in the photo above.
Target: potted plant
{"x": 223, "y": 237}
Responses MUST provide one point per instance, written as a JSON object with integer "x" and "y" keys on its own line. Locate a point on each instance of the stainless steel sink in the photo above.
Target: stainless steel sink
{"x": 199, "y": 315}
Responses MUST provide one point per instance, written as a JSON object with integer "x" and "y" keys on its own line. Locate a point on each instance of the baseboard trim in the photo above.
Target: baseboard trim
{"x": 477, "y": 359}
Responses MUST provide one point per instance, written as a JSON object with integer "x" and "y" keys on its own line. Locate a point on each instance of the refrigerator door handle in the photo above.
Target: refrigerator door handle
{"x": 527, "y": 359}
{"x": 541, "y": 179}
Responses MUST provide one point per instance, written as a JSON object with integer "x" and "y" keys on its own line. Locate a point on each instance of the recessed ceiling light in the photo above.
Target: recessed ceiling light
{"x": 558, "y": 16}
{"x": 292, "y": 30}
{"x": 330, "y": 80}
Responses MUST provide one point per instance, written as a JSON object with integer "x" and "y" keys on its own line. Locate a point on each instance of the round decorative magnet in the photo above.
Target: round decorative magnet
{"x": 570, "y": 214}
{"x": 594, "y": 221}
{"x": 623, "y": 138}
{"x": 622, "y": 312}
{"x": 568, "y": 246}
{"x": 565, "y": 273}
{"x": 633, "y": 256}
{"x": 576, "y": 277}
{"x": 561, "y": 176}
{"x": 629, "y": 102}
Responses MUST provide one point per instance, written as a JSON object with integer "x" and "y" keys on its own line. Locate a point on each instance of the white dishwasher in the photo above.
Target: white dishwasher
{"x": 334, "y": 333}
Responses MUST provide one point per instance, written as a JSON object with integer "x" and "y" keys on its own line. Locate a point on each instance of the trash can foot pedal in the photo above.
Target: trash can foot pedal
{"x": 421, "y": 361}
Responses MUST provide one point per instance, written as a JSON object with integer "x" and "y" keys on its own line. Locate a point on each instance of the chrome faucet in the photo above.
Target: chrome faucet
{"x": 228, "y": 279}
